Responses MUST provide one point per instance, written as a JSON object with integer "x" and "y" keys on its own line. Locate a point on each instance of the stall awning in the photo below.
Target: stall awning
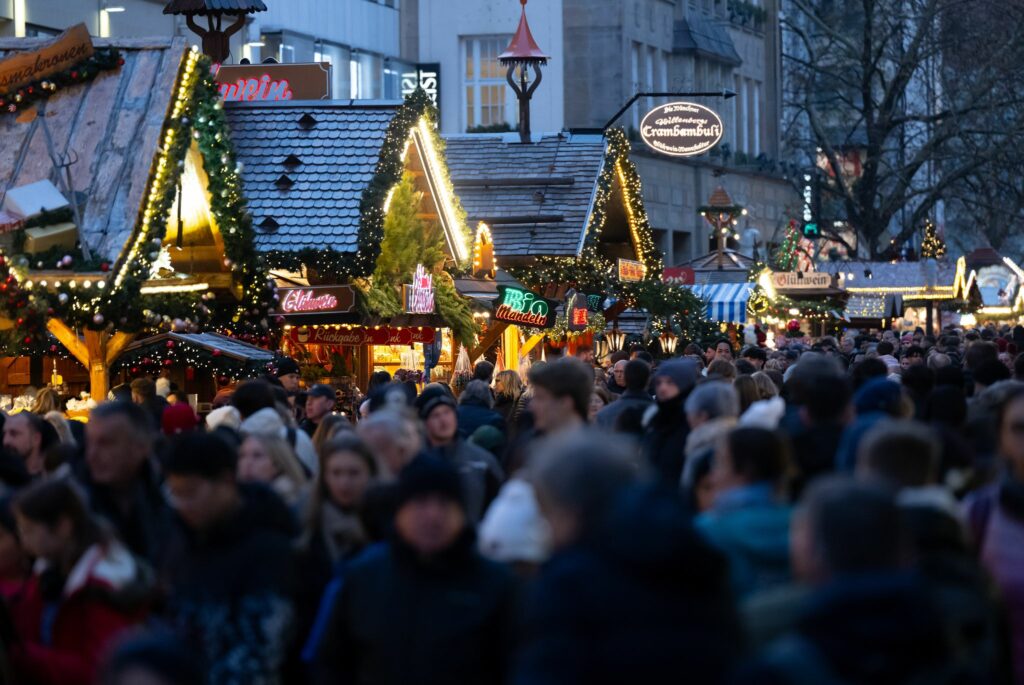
{"x": 726, "y": 302}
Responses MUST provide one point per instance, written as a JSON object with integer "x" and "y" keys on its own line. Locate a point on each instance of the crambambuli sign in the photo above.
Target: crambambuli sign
{"x": 681, "y": 129}
{"x": 55, "y": 56}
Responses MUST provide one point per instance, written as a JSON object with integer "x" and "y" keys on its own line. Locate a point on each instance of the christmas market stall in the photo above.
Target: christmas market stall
{"x": 999, "y": 281}
{"x": 356, "y": 219}
{"x": 121, "y": 211}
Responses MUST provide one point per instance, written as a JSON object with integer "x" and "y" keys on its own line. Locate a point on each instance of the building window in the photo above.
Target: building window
{"x": 354, "y": 77}
{"x": 487, "y": 98}
{"x": 635, "y": 71}
{"x": 755, "y": 104}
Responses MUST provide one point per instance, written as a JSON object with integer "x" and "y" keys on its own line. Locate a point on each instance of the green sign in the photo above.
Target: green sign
{"x": 519, "y": 306}
{"x": 811, "y": 230}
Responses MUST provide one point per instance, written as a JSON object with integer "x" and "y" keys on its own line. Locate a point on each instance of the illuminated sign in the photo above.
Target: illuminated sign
{"x": 681, "y": 129}
{"x": 578, "y": 316}
{"x": 678, "y": 275}
{"x": 419, "y": 297}
{"x": 631, "y": 271}
{"x": 53, "y": 57}
{"x": 385, "y": 335}
{"x": 273, "y": 82}
{"x": 427, "y": 77}
{"x": 321, "y": 300}
{"x": 520, "y": 306}
{"x": 801, "y": 280}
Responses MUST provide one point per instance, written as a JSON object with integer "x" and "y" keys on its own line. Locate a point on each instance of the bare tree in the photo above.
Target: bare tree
{"x": 921, "y": 94}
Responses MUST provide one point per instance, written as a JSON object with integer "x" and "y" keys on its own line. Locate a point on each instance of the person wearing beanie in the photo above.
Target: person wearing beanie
{"x": 665, "y": 425}
{"x": 480, "y": 472}
{"x": 230, "y": 566}
{"x": 426, "y": 602}
{"x": 514, "y": 531}
{"x": 178, "y": 418}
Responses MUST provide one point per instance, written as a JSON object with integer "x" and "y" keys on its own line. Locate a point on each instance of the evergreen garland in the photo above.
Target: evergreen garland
{"x": 104, "y": 59}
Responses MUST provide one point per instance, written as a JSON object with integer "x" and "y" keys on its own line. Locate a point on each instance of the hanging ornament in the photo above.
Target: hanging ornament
{"x": 97, "y": 319}
{"x": 170, "y": 344}
{"x": 104, "y": 267}
{"x": 168, "y": 362}
{"x": 216, "y": 353}
{"x": 53, "y": 349}
{"x": 66, "y": 260}
{"x": 62, "y": 298}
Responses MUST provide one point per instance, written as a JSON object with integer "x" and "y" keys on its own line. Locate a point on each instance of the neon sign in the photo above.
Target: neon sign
{"x": 263, "y": 89}
{"x": 520, "y": 306}
{"x": 326, "y": 300}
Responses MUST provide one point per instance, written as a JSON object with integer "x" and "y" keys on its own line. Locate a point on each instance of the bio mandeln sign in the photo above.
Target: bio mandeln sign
{"x": 681, "y": 129}
{"x": 519, "y": 306}
{"x": 273, "y": 82}
{"x": 335, "y": 299}
{"x": 57, "y": 55}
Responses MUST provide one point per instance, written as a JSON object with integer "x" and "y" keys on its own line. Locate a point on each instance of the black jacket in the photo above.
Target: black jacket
{"x": 643, "y": 599}
{"x": 607, "y": 417}
{"x": 664, "y": 443}
{"x": 231, "y": 589}
{"x": 399, "y": 620}
{"x": 472, "y": 416}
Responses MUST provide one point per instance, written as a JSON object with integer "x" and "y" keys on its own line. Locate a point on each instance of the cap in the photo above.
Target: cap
{"x": 286, "y": 367}
{"x": 432, "y": 397}
{"x": 429, "y": 476}
{"x": 320, "y": 390}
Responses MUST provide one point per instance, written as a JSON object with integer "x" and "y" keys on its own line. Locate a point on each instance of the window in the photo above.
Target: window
{"x": 635, "y": 75}
{"x": 354, "y": 76}
{"x": 392, "y": 84}
{"x": 486, "y": 93}
{"x": 755, "y": 105}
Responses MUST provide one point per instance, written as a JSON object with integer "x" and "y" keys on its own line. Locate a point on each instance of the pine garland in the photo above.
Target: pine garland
{"x": 104, "y": 59}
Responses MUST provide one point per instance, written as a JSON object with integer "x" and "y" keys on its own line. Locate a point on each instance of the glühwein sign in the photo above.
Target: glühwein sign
{"x": 335, "y": 299}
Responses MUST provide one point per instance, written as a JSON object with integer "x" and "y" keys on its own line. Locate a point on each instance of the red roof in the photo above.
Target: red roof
{"x": 523, "y": 47}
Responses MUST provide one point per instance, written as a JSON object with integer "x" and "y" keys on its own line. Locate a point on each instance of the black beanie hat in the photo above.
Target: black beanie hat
{"x": 429, "y": 476}
{"x": 433, "y": 396}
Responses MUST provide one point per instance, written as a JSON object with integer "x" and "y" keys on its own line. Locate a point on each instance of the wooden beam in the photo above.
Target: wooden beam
{"x": 69, "y": 339}
{"x": 530, "y": 344}
{"x": 96, "y": 346}
{"x": 116, "y": 345}
{"x": 490, "y": 337}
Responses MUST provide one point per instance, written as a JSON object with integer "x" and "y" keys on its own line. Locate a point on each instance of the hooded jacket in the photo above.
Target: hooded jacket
{"x": 66, "y": 625}
{"x": 231, "y": 588}
{"x": 402, "y": 620}
{"x": 665, "y": 422}
{"x": 642, "y": 598}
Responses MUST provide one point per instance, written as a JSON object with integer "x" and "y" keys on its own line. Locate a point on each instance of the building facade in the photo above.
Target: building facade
{"x": 360, "y": 38}
{"x": 602, "y": 53}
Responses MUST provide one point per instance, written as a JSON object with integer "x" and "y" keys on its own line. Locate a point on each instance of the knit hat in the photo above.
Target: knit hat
{"x": 426, "y": 475}
{"x": 178, "y": 418}
{"x": 513, "y": 528}
{"x": 163, "y": 387}
{"x": 223, "y": 417}
{"x": 432, "y": 397}
{"x": 878, "y": 394}
{"x": 682, "y": 372}
{"x": 286, "y": 367}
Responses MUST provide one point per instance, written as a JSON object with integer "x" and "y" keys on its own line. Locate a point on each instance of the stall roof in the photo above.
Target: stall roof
{"x": 537, "y": 198}
{"x": 110, "y": 127}
{"x": 229, "y": 347}
{"x": 485, "y": 290}
{"x": 912, "y": 280}
{"x": 305, "y": 166}
{"x": 728, "y": 267}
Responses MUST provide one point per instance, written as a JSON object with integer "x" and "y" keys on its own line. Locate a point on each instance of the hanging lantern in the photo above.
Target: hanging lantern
{"x": 668, "y": 341}
{"x": 616, "y": 338}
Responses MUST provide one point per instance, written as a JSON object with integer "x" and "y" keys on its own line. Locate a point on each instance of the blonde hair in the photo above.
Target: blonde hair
{"x": 508, "y": 384}
{"x": 766, "y": 387}
{"x": 63, "y": 428}
{"x": 47, "y": 400}
{"x": 283, "y": 456}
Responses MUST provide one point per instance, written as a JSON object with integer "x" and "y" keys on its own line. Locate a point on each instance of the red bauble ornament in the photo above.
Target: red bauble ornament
{"x": 135, "y": 370}
{"x": 216, "y": 353}
{"x": 168, "y": 362}
{"x": 793, "y": 325}
{"x": 27, "y": 340}
{"x": 2, "y": 259}
{"x": 190, "y": 373}
{"x": 120, "y": 61}
{"x": 170, "y": 344}
{"x": 21, "y": 321}
{"x": 53, "y": 349}
{"x": 74, "y": 74}
{"x": 104, "y": 267}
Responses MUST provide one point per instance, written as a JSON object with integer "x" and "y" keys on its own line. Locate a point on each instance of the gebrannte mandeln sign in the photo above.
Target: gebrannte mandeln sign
{"x": 334, "y": 299}
{"x": 355, "y": 336}
{"x": 681, "y": 129}
{"x": 59, "y": 54}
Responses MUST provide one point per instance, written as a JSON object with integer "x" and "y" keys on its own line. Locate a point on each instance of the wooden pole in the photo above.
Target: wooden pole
{"x": 96, "y": 350}
{"x": 510, "y": 347}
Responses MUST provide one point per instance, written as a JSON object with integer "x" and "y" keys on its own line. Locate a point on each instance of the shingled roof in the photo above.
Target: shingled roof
{"x": 305, "y": 168}
{"x": 110, "y": 127}
{"x": 537, "y": 198}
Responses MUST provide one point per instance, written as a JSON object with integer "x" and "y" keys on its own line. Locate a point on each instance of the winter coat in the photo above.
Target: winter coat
{"x": 664, "y": 441}
{"x": 231, "y": 588}
{"x": 607, "y": 417}
{"x": 480, "y": 472}
{"x": 996, "y": 520}
{"x": 472, "y": 416}
{"x": 144, "y": 527}
{"x": 642, "y": 598}
{"x": 506, "y": 407}
{"x": 67, "y": 625}
{"x": 400, "y": 620}
{"x": 880, "y": 628}
{"x": 751, "y": 526}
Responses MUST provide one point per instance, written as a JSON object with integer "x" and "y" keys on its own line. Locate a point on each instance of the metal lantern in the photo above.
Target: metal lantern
{"x": 668, "y": 341}
{"x": 616, "y": 339}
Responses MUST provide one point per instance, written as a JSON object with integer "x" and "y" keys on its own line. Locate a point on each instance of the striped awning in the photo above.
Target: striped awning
{"x": 726, "y": 302}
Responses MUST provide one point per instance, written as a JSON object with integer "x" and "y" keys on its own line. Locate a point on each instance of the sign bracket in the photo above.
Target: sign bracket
{"x": 724, "y": 93}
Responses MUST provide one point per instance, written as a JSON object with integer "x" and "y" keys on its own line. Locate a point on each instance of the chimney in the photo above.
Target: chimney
{"x": 521, "y": 54}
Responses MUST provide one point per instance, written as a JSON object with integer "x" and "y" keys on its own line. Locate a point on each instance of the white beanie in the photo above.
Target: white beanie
{"x": 228, "y": 417}
{"x": 163, "y": 387}
{"x": 513, "y": 528}
{"x": 764, "y": 414}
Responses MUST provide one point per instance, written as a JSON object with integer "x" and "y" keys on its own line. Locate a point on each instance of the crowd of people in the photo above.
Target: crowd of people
{"x": 842, "y": 510}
